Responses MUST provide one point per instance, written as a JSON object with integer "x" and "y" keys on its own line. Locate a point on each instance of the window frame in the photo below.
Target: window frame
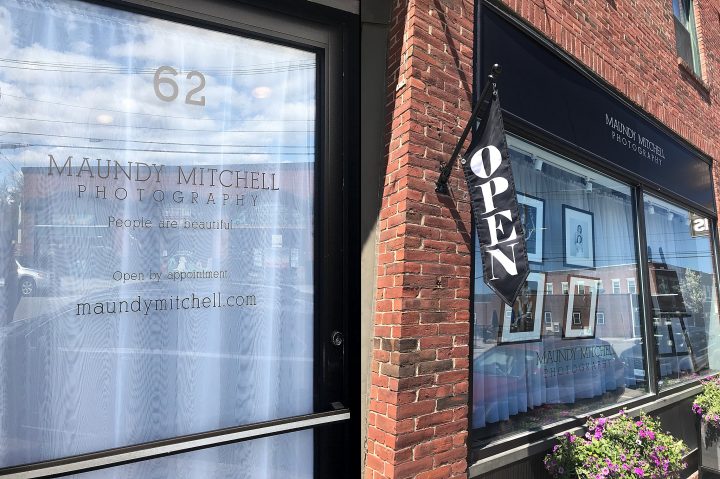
{"x": 333, "y": 36}
{"x": 685, "y": 21}
{"x": 646, "y": 295}
{"x": 479, "y": 449}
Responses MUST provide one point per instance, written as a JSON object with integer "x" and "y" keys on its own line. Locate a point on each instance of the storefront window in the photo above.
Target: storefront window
{"x": 554, "y": 356}
{"x": 156, "y": 230}
{"x": 683, "y": 292}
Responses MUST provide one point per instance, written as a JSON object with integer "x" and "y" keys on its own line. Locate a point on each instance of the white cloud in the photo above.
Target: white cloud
{"x": 70, "y": 86}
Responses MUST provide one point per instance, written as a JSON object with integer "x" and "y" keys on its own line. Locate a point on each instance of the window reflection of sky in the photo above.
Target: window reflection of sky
{"x": 78, "y": 80}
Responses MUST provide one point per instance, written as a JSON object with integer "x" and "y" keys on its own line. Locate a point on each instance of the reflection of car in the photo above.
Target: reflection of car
{"x": 30, "y": 281}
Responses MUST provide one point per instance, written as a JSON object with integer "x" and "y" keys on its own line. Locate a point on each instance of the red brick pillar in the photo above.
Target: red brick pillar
{"x": 417, "y": 420}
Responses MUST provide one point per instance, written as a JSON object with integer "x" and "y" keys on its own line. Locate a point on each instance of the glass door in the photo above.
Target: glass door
{"x": 158, "y": 242}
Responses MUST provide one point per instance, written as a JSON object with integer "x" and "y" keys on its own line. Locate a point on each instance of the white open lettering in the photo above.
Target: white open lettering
{"x": 477, "y": 165}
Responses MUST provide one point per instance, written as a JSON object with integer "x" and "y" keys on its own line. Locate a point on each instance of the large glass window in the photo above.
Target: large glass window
{"x": 580, "y": 232}
{"x": 683, "y": 283}
{"x": 156, "y": 230}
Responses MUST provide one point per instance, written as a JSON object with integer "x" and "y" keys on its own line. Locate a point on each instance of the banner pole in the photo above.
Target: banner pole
{"x": 445, "y": 170}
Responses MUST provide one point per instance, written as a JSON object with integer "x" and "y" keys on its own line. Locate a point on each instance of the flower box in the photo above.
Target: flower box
{"x": 621, "y": 447}
{"x": 707, "y": 406}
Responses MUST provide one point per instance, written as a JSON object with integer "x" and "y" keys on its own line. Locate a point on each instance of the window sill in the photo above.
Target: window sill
{"x": 693, "y": 77}
{"x": 516, "y": 451}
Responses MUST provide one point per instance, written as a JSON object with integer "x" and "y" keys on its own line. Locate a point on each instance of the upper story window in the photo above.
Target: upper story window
{"x": 632, "y": 285}
{"x": 686, "y": 38}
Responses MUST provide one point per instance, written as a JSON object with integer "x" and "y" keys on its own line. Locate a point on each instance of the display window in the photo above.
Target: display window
{"x": 683, "y": 293}
{"x": 574, "y": 347}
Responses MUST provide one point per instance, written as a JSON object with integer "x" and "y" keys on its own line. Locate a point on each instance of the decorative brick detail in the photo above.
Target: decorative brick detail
{"x": 419, "y": 388}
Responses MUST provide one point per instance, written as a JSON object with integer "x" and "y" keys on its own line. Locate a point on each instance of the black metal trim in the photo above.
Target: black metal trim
{"x": 545, "y": 139}
{"x": 171, "y": 442}
{"x": 645, "y": 306}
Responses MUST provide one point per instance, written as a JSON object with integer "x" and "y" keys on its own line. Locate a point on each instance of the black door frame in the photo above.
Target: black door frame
{"x": 334, "y": 36}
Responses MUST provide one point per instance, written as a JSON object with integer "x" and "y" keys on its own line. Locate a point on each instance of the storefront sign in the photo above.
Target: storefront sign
{"x": 492, "y": 188}
{"x": 546, "y": 91}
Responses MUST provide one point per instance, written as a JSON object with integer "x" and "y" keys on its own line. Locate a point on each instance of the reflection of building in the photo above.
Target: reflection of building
{"x": 68, "y": 219}
{"x": 617, "y": 303}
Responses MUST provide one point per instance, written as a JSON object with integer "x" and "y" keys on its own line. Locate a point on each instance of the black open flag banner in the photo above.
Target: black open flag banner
{"x": 494, "y": 203}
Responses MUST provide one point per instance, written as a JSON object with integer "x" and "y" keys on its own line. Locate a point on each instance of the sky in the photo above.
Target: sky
{"x": 78, "y": 79}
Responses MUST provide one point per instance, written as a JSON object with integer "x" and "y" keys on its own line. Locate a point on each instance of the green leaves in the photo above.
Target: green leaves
{"x": 619, "y": 447}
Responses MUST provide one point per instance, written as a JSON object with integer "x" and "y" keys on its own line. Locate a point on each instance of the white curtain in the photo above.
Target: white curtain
{"x": 513, "y": 378}
{"x": 83, "y": 81}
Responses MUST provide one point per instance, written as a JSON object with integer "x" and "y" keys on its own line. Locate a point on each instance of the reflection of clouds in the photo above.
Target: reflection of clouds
{"x": 7, "y": 35}
{"x": 72, "y": 90}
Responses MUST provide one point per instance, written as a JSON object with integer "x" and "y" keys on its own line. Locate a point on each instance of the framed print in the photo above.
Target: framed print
{"x": 665, "y": 291}
{"x": 581, "y": 308}
{"x": 578, "y": 238}
{"x": 523, "y": 322}
{"x": 532, "y": 212}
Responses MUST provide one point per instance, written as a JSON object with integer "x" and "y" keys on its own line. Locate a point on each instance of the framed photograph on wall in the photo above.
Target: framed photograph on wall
{"x": 581, "y": 308}
{"x": 532, "y": 212}
{"x": 578, "y": 238}
{"x": 523, "y": 322}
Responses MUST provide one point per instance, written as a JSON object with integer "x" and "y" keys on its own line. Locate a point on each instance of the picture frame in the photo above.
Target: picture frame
{"x": 523, "y": 321}
{"x": 665, "y": 291}
{"x": 532, "y": 216}
{"x": 581, "y": 308}
{"x": 578, "y": 238}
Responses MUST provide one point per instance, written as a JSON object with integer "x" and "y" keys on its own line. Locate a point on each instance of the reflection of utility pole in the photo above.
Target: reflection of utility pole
{"x": 8, "y": 267}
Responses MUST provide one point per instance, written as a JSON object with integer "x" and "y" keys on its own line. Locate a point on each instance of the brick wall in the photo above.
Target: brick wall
{"x": 417, "y": 422}
{"x": 631, "y": 44}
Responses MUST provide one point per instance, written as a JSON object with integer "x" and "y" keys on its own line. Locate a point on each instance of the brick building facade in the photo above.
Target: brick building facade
{"x": 419, "y": 395}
